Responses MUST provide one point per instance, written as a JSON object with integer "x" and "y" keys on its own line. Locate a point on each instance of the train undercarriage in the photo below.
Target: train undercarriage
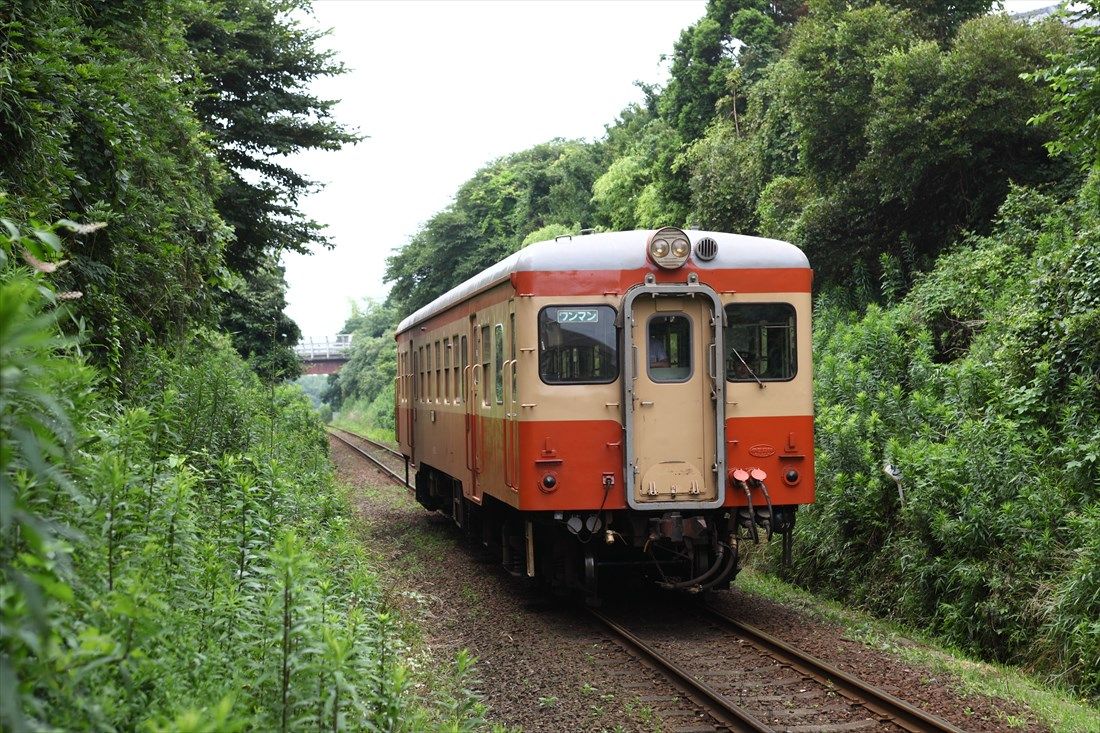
{"x": 596, "y": 553}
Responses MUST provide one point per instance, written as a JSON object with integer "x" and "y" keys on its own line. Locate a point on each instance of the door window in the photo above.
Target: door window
{"x": 498, "y": 352}
{"x": 484, "y": 344}
{"x": 669, "y": 348}
{"x": 464, "y": 363}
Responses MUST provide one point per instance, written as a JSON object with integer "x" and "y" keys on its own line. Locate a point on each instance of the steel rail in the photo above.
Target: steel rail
{"x": 878, "y": 701}
{"x": 729, "y": 716}
{"x": 365, "y": 439}
{"x": 396, "y": 477}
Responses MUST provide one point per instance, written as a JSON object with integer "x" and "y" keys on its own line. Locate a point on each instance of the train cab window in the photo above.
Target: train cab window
{"x": 498, "y": 363}
{"x": 484, "y": 364}
{"x": 578, "y": 345}
{"x": 760, "y": 342}
{"x": 463, "y": 364}
{"x": 668, "y": 348}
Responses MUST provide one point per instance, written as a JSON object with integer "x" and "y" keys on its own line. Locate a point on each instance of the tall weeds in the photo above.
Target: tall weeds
{"x": 178, "y": 558}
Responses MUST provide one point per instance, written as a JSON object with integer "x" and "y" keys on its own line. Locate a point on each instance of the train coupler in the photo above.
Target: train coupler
{"x": 675, "y": 527}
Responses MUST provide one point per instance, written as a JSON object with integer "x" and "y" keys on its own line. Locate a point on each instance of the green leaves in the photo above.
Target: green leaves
{"x": 1073, "y": 79}
{"x": 981, "y": 387}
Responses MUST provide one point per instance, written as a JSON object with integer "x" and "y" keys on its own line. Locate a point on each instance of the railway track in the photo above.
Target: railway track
{"x": 877, "y": 700}
{"x": 728, "y": 715}
{"x": 751, "y": 695}
{"x": 357, "y": 442}
{"x": 724, "y": 701}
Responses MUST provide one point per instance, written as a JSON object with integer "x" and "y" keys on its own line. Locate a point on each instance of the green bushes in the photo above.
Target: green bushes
{"x": 983, "y": 387}
{"x": 180, "y": 560}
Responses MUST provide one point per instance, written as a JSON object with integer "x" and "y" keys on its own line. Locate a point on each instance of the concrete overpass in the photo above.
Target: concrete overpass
{"x": 325, "y": 356}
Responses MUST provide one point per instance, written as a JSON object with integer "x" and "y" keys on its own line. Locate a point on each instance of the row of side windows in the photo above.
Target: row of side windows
{"x": 435, "y": 373}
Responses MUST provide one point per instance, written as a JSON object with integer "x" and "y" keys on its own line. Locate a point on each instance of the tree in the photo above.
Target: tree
{"x": 491, "y": 216}
{"x": 258, "y": 62}
{"x": 97, "y": 124}
{"x": 906, "y": 141}
{"x": 1074, "y": 80}
{"x": 254, "y": 315}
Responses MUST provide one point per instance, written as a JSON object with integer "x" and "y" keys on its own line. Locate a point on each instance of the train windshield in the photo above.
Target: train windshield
{"x": 760, "y": 342}
{"x": 578, "y": 345}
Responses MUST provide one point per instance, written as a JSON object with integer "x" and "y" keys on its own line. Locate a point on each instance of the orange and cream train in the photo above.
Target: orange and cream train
{"x": 611, "y": 400}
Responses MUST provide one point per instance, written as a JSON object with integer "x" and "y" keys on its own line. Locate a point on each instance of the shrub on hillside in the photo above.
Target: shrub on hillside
{"x": 981, "y": 387}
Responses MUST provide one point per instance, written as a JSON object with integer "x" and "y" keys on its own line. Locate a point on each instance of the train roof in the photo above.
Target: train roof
{"x": 613, "y": 251}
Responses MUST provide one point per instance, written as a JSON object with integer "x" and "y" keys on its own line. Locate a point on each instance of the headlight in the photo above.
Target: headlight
{"x": 669, "y": 248}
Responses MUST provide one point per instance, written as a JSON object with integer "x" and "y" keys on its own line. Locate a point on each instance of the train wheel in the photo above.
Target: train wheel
{"x": 591, "y": 579}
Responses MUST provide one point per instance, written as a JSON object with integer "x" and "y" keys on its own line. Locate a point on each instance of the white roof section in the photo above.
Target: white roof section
{"x": 614, "y": 251}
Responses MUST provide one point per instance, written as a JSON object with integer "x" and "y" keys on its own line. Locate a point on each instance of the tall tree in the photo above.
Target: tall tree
{"x": 259, "y": 61}
{"x": 492, "y": 215}
{"x": 1074, "y": 80}
{"x": 97, "y": 124}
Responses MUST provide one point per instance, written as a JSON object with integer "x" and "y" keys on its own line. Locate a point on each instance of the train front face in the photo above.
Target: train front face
{"x": 717, "y": 416}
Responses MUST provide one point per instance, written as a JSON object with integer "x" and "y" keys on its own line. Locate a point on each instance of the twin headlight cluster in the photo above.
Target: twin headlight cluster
{"x": 669, "y": 248}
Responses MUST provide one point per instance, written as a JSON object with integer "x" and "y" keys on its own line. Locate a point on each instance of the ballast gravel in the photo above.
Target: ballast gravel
{"x": 542, "y": 665}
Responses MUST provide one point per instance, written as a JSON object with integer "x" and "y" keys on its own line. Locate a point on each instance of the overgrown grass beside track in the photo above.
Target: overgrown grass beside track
{"x": 176, "y": 554}
{"x": 360, "y": 416}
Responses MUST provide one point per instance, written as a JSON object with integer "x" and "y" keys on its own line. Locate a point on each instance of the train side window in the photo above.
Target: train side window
{"x": 456, "y": 373}
{"x": 498, "y": 363}
{"x": 668, "y": 348}
{"x": 438, "y": 374}
{"x": 416, "y": 377}
{"x": 462, "y": 373}
{"x": 484, "y": 364}
{"x": 578, "y": 345}
{"x": 420, "y": 369}
{"x": 446, "y": 369}
{"x": 760, "y": 341}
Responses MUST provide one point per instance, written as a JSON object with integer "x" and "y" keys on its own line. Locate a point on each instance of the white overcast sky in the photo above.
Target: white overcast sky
{"x": 442, "y": 87}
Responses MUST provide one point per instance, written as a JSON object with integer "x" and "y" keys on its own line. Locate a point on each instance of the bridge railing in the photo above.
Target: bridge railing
{"x": 337, "y": 347}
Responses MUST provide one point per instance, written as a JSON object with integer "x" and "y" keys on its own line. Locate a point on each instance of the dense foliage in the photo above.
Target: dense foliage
{"x": 165, "y": 120}
{"x": 182, "y": 559}
{"x": 981, "y": 387}
{"x": 174, "y": 552}
{"x": 932, "y": 160}
{"x": 96, "y": 125}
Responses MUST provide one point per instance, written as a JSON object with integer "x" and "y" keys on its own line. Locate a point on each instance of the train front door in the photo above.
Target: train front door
{"x": 674, "y": 398}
